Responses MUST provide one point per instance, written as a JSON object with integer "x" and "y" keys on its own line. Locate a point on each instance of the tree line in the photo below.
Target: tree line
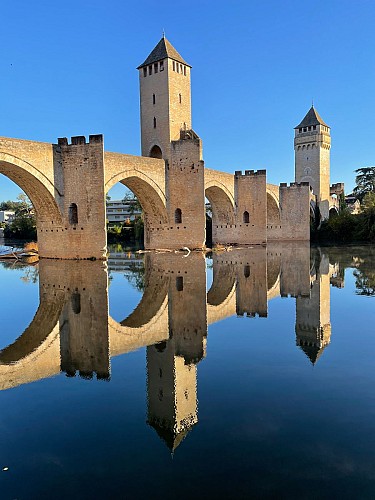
{"x": 346, "y": 227}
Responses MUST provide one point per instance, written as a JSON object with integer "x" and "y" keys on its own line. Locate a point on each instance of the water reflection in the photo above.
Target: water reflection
{"x": 73, "y": 332}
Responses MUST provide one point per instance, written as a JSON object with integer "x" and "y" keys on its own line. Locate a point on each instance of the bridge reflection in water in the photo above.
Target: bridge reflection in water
{"x": 73, "y": 332}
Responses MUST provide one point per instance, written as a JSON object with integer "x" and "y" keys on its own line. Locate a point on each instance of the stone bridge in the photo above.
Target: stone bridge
{"x": 67, "y": 184}
{"x": 72, "y": 330}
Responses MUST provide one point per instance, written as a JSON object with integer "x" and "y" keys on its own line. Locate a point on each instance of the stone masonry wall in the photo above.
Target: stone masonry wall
{"x": 295, "y": 211}
{"x": 83, "y": 235}
{"x": 185, "y": 196}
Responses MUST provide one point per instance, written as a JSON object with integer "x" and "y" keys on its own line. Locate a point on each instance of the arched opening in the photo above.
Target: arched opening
{"x": 144, "y": 208}
{"x": 179, "y": 283}
{"x": 333, "y": 212}
{"x": 155, "y": 292}
{"x": 246, "y": 217}
{"x": 39, "y": 330}
{"x": 73, "y": 214}
{"x": 273, "y": 213}
{"x": 76, "y": 302}
{"x": 246, "y": 271}
{"x": 220, "y": 209}
{"x": 156, "y": 152}
{"x": 44, "y": 212}
{"x": 178, "y": 216}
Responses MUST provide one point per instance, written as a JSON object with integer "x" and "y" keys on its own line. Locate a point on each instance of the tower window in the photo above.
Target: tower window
{"x": 178, "y": 216}
{"x": 73, "y": 214}
{"x": 305, "y": 129}
{"x": 181, "y": 67}
{"x": 178, "y": 68}
{"x": 246, "y": 271}
{"x": 314, "y": 127}
{"x": 180, "y": 98}
{"x": 145, "y": 71}
{"x": 246, "y": 217}
{"x": 154, "y": 122}
{"x": 76, "y": 302}
{"x": 150, "y": 69}
{"x": 185, "y": 70}
{"x": 299, "y": 130}
{"x": 174, "y": 66}
{"x": 155, "y": 67}
{"x": 179, "y": 283}
{"x": 153, "y": 99}
{"x": 161, "y": 65}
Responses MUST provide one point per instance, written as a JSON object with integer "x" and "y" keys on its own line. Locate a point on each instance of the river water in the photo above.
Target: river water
{"x": 245, "y": 374}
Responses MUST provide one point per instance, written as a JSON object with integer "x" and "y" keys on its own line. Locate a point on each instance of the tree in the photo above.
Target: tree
{"x": 133, "y": 203}
{"x": 21, "y": 206}
{"x": 23, "y": 227}
{"x": 365, "y": 182}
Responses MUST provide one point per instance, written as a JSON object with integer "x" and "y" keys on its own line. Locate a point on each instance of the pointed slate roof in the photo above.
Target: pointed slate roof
{"x": 312, "y": 118}
{"x": 313, "y": 352}
{"x": 163, "y": 50}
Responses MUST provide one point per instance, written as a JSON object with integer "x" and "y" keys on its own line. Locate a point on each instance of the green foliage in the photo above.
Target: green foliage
{"x": 365, "y": 282}
{"x": 23, "y": 227}
{"x": 133, "y": 202}
{"x": 365, "y": 182}
{"x": 21, "y": 206}
{"x": 368, "y": 201}
{"x": 346, "y": 227}
{"x": 340, "y": 228}
{"x": 139, "y": 229}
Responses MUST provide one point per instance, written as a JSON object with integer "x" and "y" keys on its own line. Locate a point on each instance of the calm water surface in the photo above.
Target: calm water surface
{"x": 247, "y": 374}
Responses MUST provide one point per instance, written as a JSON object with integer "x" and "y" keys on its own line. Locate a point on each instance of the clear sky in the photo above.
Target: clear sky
{"x": 68, "y": 68}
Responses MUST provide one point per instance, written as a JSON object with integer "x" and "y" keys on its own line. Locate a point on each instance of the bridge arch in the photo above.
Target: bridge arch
{"x": 150, "y": 196}
{"x": 37, "y": 335}
{"x": 273, "y": 209}
{"x": 36, "y": 185}
{"x": 222, "y": 202}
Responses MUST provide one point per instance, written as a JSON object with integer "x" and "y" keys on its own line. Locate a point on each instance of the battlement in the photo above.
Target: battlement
{"x": 294, "y": 184}
{"x": 80, "y": 139}
{"x": 337, "y": 188}
{"x": 249, "y": 173}
{"x": 189, "y": 135}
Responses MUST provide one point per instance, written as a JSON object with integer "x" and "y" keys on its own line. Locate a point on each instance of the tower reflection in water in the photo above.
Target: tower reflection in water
{"x": 73, "y": 332}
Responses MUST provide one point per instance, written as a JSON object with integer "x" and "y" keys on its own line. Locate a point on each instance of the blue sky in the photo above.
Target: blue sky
{"x": 68, "y": 68}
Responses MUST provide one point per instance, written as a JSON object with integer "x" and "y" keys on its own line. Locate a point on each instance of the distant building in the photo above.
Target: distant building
{"x": 353, "y": 204}
{"x": 7, "y": 216}
{"x": 122, "y": 211}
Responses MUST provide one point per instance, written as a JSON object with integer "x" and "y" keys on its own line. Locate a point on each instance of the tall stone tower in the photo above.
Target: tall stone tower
{"x": 313, "y": 314}
{"x": 165, "y": 99}
{"x": 312, "y": 144}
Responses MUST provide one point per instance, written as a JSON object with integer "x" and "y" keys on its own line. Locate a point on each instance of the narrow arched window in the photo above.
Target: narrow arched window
{"x": 154, "y": 122}
{"x": 246, "y": 271}
{"x": 76, "y": 302}
{"x": 246, "y": 217}
{"x": 73, "y": 214}
{"x": 179, "y": 283}
{"x": 178, "y": 216}
{"x": 153, "y": 99}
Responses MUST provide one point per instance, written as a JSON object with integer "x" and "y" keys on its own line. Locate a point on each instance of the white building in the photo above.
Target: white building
{"x": 120, "y": 211}
{"x": 7, "y": 216}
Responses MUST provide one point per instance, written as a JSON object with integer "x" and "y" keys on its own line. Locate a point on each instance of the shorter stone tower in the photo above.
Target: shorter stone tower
{"x": 312, "y": 144}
